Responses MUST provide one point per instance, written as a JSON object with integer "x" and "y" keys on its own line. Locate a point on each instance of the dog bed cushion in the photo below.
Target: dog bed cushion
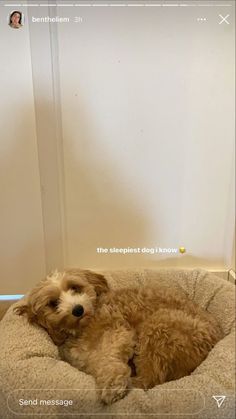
{"x": 34, "y": 381}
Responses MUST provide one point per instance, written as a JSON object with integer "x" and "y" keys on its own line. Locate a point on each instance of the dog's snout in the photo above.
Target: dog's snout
{"x": 78, "y": 310}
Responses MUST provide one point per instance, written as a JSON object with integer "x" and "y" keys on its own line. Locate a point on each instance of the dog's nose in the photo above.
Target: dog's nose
{"x": 78, "y": 310}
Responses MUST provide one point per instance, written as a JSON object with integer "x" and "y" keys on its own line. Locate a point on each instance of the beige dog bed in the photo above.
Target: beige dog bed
{"x": 36, "y": 382}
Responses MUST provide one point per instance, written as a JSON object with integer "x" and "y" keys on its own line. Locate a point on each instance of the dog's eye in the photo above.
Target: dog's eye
{"x": 53, "y": 303}
{"x": 75, "y": 288}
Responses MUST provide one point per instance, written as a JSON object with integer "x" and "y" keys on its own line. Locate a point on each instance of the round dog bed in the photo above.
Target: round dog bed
{"x": 36, "y": 382}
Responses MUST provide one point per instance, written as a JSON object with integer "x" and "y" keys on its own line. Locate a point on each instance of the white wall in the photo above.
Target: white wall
{"x": 22, "y": 257}
{"x": 147, "y": 99}
{"x": 115, "y": 132}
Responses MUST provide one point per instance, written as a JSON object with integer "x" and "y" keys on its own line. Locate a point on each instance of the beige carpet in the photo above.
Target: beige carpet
{"x": 31, "y": 369}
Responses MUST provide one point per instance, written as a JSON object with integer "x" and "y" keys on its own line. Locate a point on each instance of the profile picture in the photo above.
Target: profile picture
{"x": 16, "y": 19}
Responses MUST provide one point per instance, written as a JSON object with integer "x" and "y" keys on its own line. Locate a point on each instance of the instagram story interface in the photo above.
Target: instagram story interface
{"x": 118, "y": 138}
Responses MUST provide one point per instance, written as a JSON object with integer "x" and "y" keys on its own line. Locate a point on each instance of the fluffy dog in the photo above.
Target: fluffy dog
{"x": 128, "y": 337}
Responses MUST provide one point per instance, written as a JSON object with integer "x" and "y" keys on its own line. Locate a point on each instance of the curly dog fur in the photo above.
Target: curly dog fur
{"x": 128, "y": 337}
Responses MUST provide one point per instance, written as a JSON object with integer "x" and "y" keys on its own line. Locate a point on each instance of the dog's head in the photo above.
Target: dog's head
{"x": 63, "y": 301}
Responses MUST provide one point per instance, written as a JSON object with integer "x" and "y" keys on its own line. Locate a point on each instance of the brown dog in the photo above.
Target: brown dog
{"x": 139, "y": 336}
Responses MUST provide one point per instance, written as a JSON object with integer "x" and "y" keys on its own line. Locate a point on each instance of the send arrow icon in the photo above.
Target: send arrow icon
{"x": 219, "y": 400}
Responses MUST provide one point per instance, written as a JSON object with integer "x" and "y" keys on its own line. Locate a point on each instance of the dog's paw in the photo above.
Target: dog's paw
{"x": 114, "y": 390}
{"x": 137, "y": 382}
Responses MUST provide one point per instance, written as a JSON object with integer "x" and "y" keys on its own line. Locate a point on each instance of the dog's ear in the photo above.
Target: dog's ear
{"x": 98, "y": 281}
{"x": 25, "y": 310}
